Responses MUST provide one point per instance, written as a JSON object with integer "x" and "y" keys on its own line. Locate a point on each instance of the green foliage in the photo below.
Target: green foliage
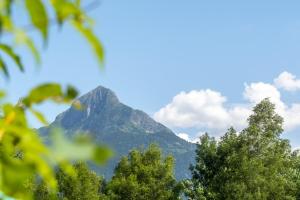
{"x": 65, "y": 11}
{"x": 92, "y": 39}
{"x": 38, "y": 16}
{"x": 9, "y": 51}
{"x": 144, "y": 176}
{"x": 84, "y": 184}
{"x": 21, "y": 148}
{"x": 255, "y": 164}
{"x": 296, "y": 172}
{"x": 80, "y": 148}
{"x": 43, "y": 192}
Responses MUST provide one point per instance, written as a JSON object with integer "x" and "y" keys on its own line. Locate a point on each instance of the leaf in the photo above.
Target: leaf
{"x": 39, "y": 116}
{"x": 101, "y": 154}
{"x": 2, "y": 94}
{"x": 30, "y": 44}
{"x": 43, "y": 92}
{"x": 92, "y": 39}
{"x": 22, "y": 38}
{"x": 78, "y": 149}
{"x": 71, "y": 92}
{"x": 3, "y": 67}
{"x": 49, "y": 91}
{"x": 65, "y": 10}
{"x": 38, "y": 15}
{"x": 9, "y": 51}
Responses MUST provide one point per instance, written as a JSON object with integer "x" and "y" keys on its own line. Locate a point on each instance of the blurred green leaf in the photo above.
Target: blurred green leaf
{"x": 5, "y": 6}
{"x": 2, "y": 94}
{"x": 9, "y": 51}
{"x": 3, "y": 67}
{"x": 39, "y": 116}
{"x": 78, "y": 149}
{"x": 22, "y": 38}
{"x": 38, "y": 15}
{"x": 93, "y": 41}
{"x": 41, "y": 93}
{"x": 65, "y": 10}
{"x": 71, "y": 92}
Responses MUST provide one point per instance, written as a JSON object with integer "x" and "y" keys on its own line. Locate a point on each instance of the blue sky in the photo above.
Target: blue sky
{"x": 157, "y": 49}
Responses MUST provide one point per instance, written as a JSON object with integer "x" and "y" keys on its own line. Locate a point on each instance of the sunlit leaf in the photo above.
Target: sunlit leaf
{"x": 43, "y": 92}
{"x": 65, "y": 10}
{"x": 9, "y": 51}
{"x": 39, "y": 116}
{"x": 93, "y": 41}
{"x": 3, "y": 67}
{"x": 38, "y": 15}
{"x": 80, "y": 148}
{"x": 23, "y": 39}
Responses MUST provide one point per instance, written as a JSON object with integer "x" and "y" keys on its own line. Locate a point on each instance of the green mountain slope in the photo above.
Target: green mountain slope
{"x": 122, "y": 128}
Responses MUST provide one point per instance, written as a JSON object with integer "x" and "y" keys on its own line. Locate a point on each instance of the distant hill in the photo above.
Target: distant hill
{"x": 122, "y": 128}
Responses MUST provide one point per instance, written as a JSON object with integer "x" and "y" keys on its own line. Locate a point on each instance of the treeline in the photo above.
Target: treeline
{"x": 255, "y": 164}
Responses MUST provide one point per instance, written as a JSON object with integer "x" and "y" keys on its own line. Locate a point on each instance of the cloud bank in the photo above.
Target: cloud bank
{"x": 208, "y": 110}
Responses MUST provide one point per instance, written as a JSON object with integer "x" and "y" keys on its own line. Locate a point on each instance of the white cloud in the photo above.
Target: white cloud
{"x": 287, "y": 81}
{"x": 184, "y": 136}
{"x": 208, "y": 110}
{"x": 202, "y": 109}
{"x": 291, "y": 117}
{"x": 256, "y": 92}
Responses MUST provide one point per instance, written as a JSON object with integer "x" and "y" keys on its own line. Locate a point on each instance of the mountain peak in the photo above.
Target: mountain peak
{"x": 99, "y": 95}
{"x": 123, "y": 128}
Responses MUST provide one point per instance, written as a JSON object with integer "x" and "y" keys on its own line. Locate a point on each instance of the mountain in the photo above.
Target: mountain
{"x": 122, "y": 128}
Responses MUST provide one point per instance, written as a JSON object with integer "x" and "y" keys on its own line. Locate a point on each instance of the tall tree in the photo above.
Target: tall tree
{"x": 84, "y": 184}
{"x": 43, "y": 192}
{"x": 255, "y": 164}
{"x": 296, "y": 172}
{"x": 144, "y": 176}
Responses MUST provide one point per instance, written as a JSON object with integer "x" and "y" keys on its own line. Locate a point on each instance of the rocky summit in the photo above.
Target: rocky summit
{"x": 122, "y": 128}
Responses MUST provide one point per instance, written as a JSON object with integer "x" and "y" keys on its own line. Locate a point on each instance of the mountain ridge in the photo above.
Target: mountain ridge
{"x": 122, "y": 128}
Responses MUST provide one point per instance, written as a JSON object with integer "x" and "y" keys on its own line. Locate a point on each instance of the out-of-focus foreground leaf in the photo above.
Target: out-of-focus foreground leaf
{"x": 23, "y": 151}
{"x": 79, "y": 148}
{"x": 38, "y": 15}
{"x": 92, "y": 39}
{"x": 9, "y": 51}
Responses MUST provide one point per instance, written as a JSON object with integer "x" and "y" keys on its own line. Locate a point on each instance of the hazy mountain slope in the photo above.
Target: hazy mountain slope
{"x": 122, "y": 128}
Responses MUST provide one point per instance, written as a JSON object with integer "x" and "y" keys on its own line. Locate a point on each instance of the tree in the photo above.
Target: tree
{"x": 43, "y": 192}
{"x": 144, "y": 176}
{"x": 21, "y": 149}
{"x": 296, "y": 172}
{"x": 83, "y": 185}
{"x": 255, "y": 164}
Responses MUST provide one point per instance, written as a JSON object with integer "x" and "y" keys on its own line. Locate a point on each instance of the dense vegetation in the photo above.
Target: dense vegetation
{"x": 21, "y": 149}
{"x": 142, "y": 175}
{"x": 253, "y": 164}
